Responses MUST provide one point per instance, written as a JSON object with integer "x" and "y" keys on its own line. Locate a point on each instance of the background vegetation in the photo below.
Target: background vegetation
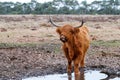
{"x": 62, "y": 7}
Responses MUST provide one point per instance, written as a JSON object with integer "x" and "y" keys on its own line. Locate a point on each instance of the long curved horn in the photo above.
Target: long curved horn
{"x": 50, "y": 20}
{"x": 81, "y": 24}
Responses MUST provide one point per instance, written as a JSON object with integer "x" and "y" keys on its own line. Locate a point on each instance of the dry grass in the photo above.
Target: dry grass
{"x": 35, "y": 28}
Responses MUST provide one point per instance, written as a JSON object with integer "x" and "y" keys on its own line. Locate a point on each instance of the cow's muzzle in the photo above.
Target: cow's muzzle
{"x": 63, "y": 38}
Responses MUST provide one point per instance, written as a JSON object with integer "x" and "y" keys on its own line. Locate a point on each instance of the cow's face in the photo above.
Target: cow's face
{"x": 66, "y": 33}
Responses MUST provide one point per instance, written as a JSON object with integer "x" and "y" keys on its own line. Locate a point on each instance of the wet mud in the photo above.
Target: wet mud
{"x": 18, "y": 62}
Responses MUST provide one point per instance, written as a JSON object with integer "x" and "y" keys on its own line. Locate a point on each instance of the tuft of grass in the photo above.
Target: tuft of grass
{"x": 49, "y": 35}
{"x": 112, "y": 43}
{"x": 45, "y": 25}
{"x": 57, "y": 49}
{"x": 9, "y": 45}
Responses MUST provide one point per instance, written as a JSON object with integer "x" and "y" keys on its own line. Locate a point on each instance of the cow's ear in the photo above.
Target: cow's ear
{"x": 58, "y": 30}
{"x": 72, "y": 31}
{"x": 76, "y": 30}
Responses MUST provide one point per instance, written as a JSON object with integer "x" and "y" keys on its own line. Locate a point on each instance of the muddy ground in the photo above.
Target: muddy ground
{"x": 25, "y": 51}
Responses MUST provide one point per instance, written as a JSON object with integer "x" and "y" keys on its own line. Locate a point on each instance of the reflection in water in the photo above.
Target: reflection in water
{"x": 84, "y": 75}
{"x": 117, "y": 78}
{"x": 78, "y": 76}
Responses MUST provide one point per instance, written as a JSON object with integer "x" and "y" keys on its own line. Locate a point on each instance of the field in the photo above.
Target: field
{"x": 29, "y": 45}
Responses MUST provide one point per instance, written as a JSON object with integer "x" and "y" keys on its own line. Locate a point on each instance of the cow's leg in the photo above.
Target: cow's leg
{"x": 69, "y": 67}
{"x": 76, "y": 66}
{"x": 82, "y": 65}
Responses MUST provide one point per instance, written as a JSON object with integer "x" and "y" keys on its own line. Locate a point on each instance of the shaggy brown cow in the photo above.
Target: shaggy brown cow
{"x": 75, "y": 44}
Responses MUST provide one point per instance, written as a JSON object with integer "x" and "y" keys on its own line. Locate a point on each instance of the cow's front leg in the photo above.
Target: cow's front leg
{"x": 76, "y": 67}
{"x": 82, "y": 62}
{"x": 69, "y": 68}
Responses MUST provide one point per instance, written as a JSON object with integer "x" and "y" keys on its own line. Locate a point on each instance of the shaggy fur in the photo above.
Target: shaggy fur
{"x": 75, "y": 44}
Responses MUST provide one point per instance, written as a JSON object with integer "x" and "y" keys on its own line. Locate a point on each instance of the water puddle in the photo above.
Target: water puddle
{"x": 115, "y": 78}
{"x": 87, "y": 75}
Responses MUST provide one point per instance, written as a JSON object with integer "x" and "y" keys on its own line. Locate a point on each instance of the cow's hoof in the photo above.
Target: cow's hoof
{"x": 82, "y": 69}
{"x": 69, "y": 76}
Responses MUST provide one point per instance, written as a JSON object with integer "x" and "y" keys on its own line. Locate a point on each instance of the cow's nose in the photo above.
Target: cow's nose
{"x": 63, "y": 38}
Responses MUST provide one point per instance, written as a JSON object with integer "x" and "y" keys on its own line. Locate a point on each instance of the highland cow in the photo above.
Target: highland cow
{"x": 75, "y": 44}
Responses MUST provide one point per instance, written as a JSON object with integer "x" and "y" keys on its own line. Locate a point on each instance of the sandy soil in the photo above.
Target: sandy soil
{"x": 29, "y": 45}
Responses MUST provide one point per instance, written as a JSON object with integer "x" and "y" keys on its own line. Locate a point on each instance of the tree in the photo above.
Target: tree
{"x": 116, "y": 6}
{"x": 94, "y": 7}
{"x": 61, "y": 7}
{"x": 6, "y": 7}
{"x": 33, "y": 4}
{"x": 84, "y": 8}
{"x": 66, "y": 5}
{"x": 26, "y": 9}
{"x": 64, "y": 10}
{"x": 17, "y": 8}
{"x": 45, "y": 8}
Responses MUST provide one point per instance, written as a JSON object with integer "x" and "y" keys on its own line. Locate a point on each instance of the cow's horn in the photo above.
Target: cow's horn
{"x": 50, "y": 20}
{"x": 81, "y": 24}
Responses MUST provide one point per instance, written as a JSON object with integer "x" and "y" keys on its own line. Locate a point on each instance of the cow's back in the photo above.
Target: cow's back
{"x": 83, "y": 38}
